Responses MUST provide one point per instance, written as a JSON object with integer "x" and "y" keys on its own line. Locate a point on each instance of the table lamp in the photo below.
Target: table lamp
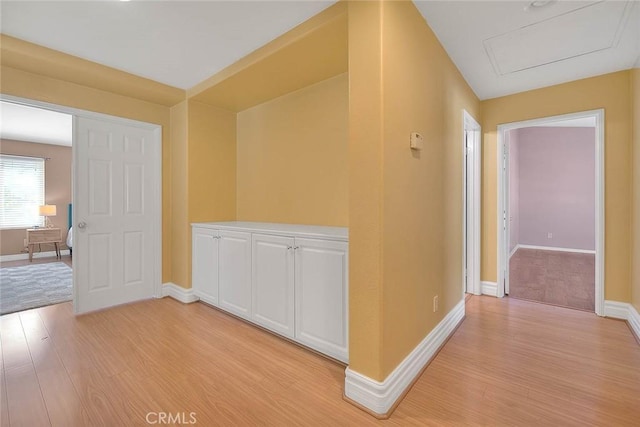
{"x": 46, "y": 211}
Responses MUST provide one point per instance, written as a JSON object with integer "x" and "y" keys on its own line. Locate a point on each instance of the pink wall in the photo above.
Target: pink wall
{"x": 556, "y": 186}
{"x": 514, "y": 191}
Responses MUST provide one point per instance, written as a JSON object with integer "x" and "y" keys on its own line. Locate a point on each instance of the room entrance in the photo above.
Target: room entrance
{"x": 551, "y": 211}
{"x": 116, "y": 209}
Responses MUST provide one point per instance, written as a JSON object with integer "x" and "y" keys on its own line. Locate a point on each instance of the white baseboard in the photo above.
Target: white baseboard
{"x": 36, "y": 255}
{"x": 489, "y": 288}
{"x": 617, "y": 310}
{"x": 178, "y": 293}
{"x": 514, "y": 250}
{"x": 380, "y": 397}
{"x": 552, "y": 248}
{"x": 634, "y": 320}
{"x": 623, "y": 311}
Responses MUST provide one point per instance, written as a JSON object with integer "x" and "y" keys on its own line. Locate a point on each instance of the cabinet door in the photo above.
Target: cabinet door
{"x": 235, "y": 273}
{"x": 205, "y": 264}
{"x": 272, "y": 283}
{"x": 321, "y": 292}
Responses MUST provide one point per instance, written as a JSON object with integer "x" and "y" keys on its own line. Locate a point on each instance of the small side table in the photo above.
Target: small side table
{"x": 37, "y": 236}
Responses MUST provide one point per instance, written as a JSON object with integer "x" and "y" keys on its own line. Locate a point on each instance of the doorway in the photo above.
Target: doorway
{"x": 472, "y": 159}
{"x": 116, "y": 209}
{"x": 551, "y": 210}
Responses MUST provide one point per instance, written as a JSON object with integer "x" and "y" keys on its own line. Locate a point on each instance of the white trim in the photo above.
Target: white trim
{"x": 634, "y": 320}
{"x": 36, "y": 255}
{"x": 472, "y": 161}
{"x": 552, "y": 248}
{"x": 502, "y": 246}
{"x": 514, "y": 250}
{"x": 178, "y": 293}
{"x": 490, "y": 288}
{"x": 380, "y": 397}
{"x": 623, "y": 311}
{"x": 617, "y": 310}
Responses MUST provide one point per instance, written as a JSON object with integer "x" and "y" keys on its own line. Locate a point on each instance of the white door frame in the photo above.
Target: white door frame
{"x": 157, "y": 172}
{"x": 472, "y": 162}
{"x": 503, "y": 198}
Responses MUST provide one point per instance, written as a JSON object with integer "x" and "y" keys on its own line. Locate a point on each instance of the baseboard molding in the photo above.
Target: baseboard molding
{"x": 552, "y": 248}
{"x": 489, "y": 288}
{"x": 617, "y": 310}
{"x": 178, "y": 293}
{"x": 513, "y": 251}
{"x": 380, "y": 397}
{"x": 634, "y": 321}
{"x": 36, "y": 255}
{"x": 624, "y": 311}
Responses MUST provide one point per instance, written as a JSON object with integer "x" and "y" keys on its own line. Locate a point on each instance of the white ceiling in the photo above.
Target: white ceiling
{"x": 179, "y": 43}
{"x": 507, "y": 47}
{"x": 499, "y": 47}
{"x": 22, "y": 123}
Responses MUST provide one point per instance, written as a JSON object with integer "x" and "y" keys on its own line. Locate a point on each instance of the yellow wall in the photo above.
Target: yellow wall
{"x": 211, "y": 171}
{"x": 365, "y": 188}
{"x": 413, "y": 201}
{"x": 178, "y": 208}
{"x": 611, "y": 92}
{"x": 39, "y": 87}
{"x": 292, "y": 157}
{"x": 635, "y": 252}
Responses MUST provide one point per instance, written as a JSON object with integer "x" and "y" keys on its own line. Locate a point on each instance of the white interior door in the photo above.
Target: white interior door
{"x": 116, "y": 199}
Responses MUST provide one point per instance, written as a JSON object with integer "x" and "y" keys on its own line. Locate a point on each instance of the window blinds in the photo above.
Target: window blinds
{"x": 22, "y": 191}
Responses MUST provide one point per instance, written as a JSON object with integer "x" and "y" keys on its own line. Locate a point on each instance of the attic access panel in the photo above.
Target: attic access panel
{"x": 589, "y": 29}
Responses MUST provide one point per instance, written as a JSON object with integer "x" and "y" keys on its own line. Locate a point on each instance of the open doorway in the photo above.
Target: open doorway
{"x": 551, "y": 211}
{"x": 36, "y": 186}
{"x": 116, "y": 209}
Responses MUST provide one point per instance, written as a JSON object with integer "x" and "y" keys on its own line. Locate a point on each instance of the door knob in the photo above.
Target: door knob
{"x": 82, "y": 224}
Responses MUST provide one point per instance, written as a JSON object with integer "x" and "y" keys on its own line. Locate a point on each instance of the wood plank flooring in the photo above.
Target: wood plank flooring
{"x": 510, "y": 363}
{"x": 567, "y": 279}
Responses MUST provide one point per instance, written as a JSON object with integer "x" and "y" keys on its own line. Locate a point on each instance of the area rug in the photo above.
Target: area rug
{"x": 36, "y": 285}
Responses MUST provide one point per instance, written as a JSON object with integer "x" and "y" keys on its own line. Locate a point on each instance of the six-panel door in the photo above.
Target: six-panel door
{"x": 205, "y": 264}
{"x": 321, "y": 274}
{"x": 114, "y": 235}
{"x": 234, "y": 269}
{"x": 272, "y": 283}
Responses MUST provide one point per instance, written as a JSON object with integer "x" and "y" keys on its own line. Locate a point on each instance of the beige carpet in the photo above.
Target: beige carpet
{"x": 566, "y": 279}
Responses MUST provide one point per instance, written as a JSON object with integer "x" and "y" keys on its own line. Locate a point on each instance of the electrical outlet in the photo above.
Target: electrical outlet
{"x": 435, "y": 303}
{"x": 549, "y": 235}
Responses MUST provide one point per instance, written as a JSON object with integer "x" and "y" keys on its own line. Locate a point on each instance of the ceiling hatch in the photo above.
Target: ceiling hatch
{"x": 589, "y": 29}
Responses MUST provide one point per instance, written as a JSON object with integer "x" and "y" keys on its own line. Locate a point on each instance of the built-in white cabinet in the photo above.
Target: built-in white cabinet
{"x": 321, "y": 295}
{"x": 273, "y": 283}
{"x": 204, "y": 263}
{"x": 290, "y": 279}
{"x": 234, "y": 272}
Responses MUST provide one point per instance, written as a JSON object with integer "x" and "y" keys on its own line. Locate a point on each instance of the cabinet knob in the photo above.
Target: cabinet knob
{"x": 289, "y": 248}
{"x": 296, "y": 247}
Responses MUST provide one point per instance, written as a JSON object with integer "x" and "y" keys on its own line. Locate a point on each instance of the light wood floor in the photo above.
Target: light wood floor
{"x": 510, "y": 363}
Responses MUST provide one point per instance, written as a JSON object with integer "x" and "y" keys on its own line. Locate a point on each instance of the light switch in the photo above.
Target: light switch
{"x": 416, "y": 141}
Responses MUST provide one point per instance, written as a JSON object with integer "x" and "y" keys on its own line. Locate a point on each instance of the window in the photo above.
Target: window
{"x": 22, "y": 190}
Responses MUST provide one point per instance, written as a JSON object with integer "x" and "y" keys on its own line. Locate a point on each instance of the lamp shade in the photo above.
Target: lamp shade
{"x": 47, "y": 210}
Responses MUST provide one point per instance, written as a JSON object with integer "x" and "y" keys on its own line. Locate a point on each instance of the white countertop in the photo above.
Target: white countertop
{"x": 296, "y": 230}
